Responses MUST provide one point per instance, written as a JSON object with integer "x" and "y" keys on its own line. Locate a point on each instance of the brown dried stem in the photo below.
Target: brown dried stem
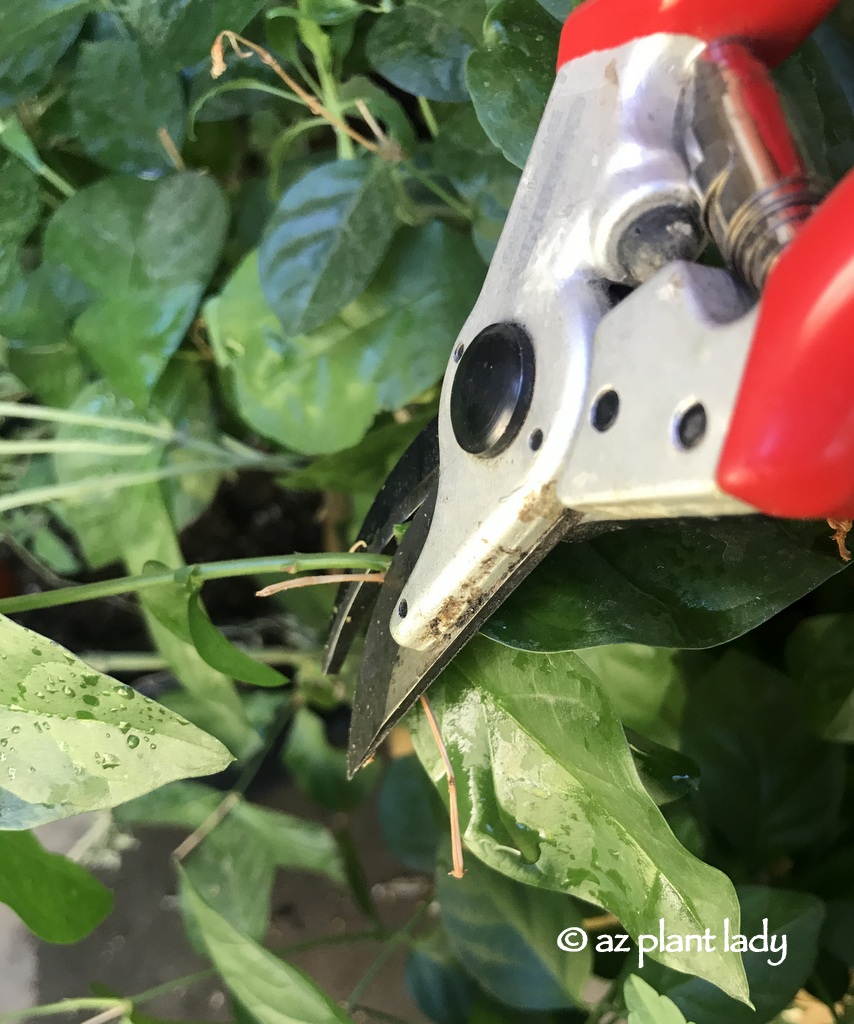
{"x": 453, "y": 808}
{"x": 218, "y": 66}
{"x": 315, "y": 581}
{"x": 841, "y": 528}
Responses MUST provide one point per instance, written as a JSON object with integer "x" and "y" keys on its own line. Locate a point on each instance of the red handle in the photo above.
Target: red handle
{"x": 774, "y": 28}
{"x": 790, "y": 449}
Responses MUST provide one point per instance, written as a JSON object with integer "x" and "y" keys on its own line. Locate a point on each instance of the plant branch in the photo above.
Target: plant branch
{"x": 201, "y": 573}
{"x": 387, "y": 952}
{"x": 314, "y": 581}
{"x": 453, "y": 807}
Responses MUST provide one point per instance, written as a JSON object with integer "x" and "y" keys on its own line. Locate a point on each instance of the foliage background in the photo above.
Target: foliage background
{"x": 202, "y": 278}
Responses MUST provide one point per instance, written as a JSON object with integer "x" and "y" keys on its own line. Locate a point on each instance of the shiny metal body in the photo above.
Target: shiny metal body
{"x": 603, "y": 159}
{"x": 755, "y": 188}
{"x": 632, "y": 396}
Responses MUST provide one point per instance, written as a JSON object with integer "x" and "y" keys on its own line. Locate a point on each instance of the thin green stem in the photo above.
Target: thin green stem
{"x": 58, "y": 182}
{"x": 371, "y": 935}
{"x": 388, "y": 950}
{"x": 42, "y": 447}
{"x": 42, "y": 412}
{"x": 109, "y": 662}
{"x": 437, "y": 190}
{"x": 388, "y": 1018}
{"x": 428, "y": 115}
{"x": 98, "y": 484}
{"x": 63, "y": 1006}
{"x": 170, "y": 986}
{"x": 206, "y": 571}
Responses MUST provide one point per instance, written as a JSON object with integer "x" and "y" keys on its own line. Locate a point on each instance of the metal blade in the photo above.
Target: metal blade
{"x": 402, "y": 494}
{"x": 393, "y": 677}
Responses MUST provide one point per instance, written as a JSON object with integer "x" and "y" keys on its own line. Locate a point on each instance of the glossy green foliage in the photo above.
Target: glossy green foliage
{"x": 554, "y": 799}
{"x": 202, "y": 279}
{"x": 74, "y": 740}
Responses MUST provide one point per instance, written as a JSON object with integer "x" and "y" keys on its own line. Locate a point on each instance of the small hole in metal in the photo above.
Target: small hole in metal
{"x": 458, "y": 352}
{"x": 603, "y": 415}
{"x": 535, "y": 440}
{"x": 402, "y": 609}
{"x": 691, "y": 425}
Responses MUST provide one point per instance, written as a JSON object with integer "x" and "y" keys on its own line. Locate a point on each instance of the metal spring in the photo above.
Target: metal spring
{"x": 764, "y": 224}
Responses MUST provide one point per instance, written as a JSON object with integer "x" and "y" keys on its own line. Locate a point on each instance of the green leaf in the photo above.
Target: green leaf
{"x": 26, "y": 71}
{"x": 422, "y": 52}
{"x": 646, "y": 1006}
{"x": 511, "y": 74}
{"x": 20, "y": 206}
{"x": 75, "y": 740}
{"x": 25, "y": 23}
{"x": 53, "y": 896}
{"x": 689, "y": 583}
{"x": 272, "y": 991}
{"x": 645, "y": 685}
{"x": 505, "y": 932}
{"x": 291, "y": 842}
{"x": 234, "y": 876}
{"x": 319, "y": 770}
{"x": 220, "y": 653}
{"x": 767, "y": 783}
{"x": 146, "y": 250}
{"x": 325, "y": 240}
{"x": 439, "y": 986}
{"x": 120, "y": 98}
{"x": 329, "y": 12}
{"x": 382, "y": 352}
{"x": 819, "y": 654}
{"x": 793, "y": 915}
{"x": 365, "y": 466}
{"x": 544, "y": 777}
{"x": 408, "y": 817}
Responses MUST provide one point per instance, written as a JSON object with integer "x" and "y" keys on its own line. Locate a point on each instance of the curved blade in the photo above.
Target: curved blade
{"x": 392, "y": 678}
{"x": 402, "y": 494}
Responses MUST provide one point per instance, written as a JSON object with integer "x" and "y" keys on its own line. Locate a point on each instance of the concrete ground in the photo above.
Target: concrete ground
{"x": 142, "y": 944}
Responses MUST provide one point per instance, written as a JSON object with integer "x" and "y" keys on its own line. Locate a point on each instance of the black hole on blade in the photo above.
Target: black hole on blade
{"x": 535, "y": 440}
{"x": 603, "y": 415}
{"x": 402, "y": 609}
{"x": 691, "y": 425}
{"x": 458, "y": 352}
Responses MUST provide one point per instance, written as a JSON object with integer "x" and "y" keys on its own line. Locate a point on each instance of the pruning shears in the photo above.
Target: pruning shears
{"x": 604, "y": 375}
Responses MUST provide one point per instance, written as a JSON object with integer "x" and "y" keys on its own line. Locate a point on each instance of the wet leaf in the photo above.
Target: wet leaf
{"x": 793, "y": 915}
{"x": 119, "y": 99}
{"x": 687, "y": 583}
{"x": 511, "y": 74}
{"x": 549, "y": 796}
{"x": 271, "y": 990}
{"x": 422, "y": 52}
{"x": 505, "y": 932}
{"x": 146, "y": 250}
{"x": 72, "y": 739}
{"x": 325, "y": 240}
{"x": 53, "y": 896}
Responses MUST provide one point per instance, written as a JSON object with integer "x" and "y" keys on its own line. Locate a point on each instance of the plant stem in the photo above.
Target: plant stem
{"x": 170, "y": 986}
{"x": 97, "y": 484}
{"x": 437, "y": 190}
{"x": 63, "y": 1006}
{"x": 51, "y": 447}
{"x": 428, "y": 115}
{"x": 205, "y": 571}
{"x": 42, "y": 412}
{"x": 109, "y": 662}
{"x": 387, "y": 952}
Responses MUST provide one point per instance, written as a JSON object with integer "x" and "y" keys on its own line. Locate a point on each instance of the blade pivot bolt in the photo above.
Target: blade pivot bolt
{"x": 492, "y": 389}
